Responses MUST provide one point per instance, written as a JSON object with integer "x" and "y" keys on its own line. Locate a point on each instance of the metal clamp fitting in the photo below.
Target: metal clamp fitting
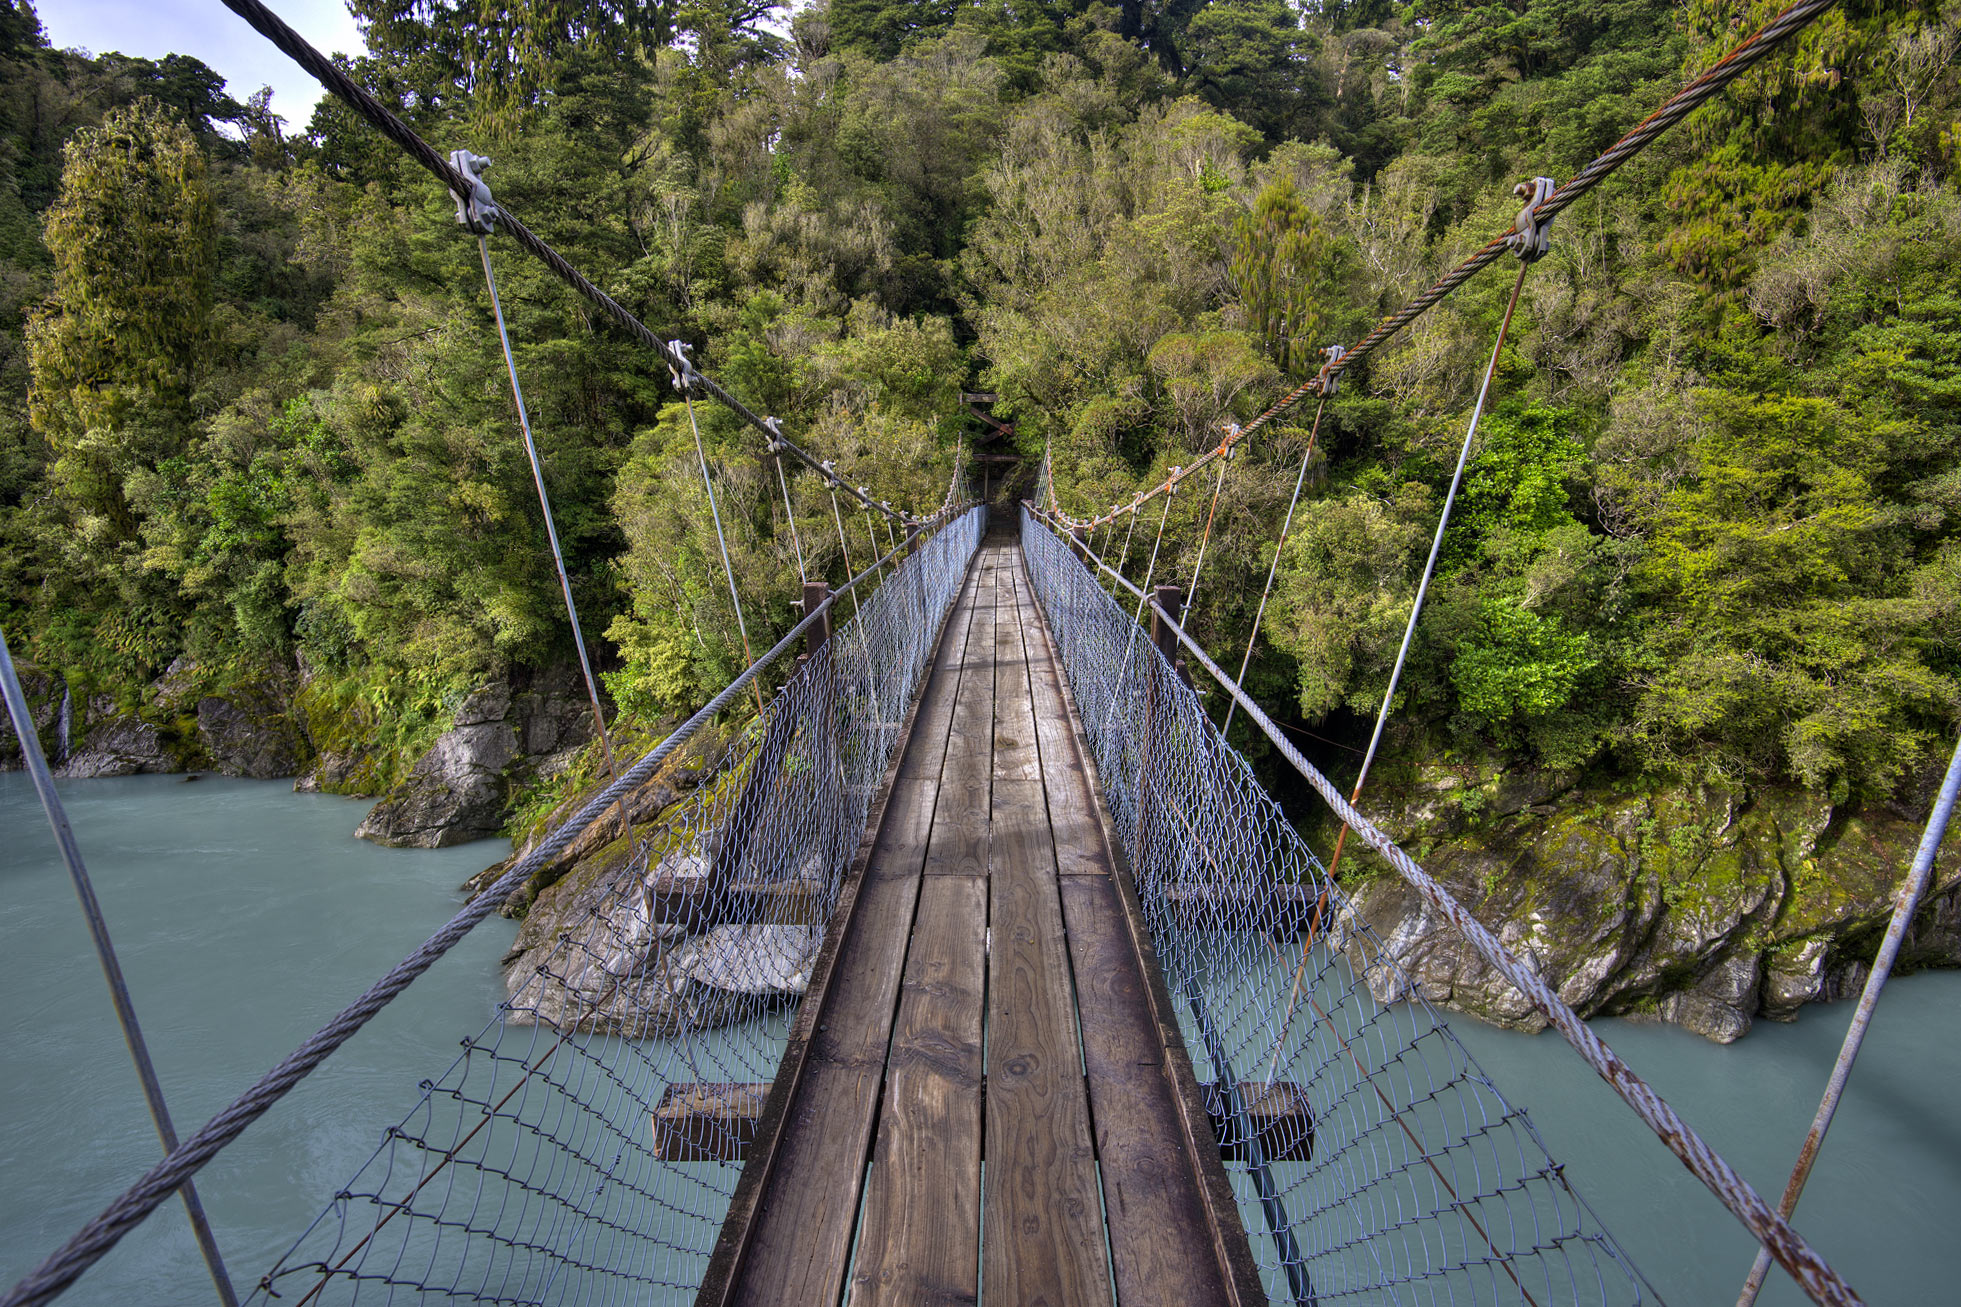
{"x": 1529, "y": 239}
{"x": 476, "y": 212}
{"x": 681, "y": 367}
{"x": 1331, "y": 381}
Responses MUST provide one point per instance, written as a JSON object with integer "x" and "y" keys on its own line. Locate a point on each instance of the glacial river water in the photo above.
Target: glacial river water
{"x": 246, "y": 915}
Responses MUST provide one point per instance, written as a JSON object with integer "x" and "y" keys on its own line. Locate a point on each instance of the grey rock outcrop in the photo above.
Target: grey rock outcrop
{"x": 456, "y": 791}
{"x": 45, "y": 696}
{"x": 460, "y": 789}
{"x": 1703, "y": 908}
{"x": 119, "y": 744}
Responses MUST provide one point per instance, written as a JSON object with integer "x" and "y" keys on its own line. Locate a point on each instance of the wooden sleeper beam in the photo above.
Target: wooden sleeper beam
{"x": 717, "y": 1122}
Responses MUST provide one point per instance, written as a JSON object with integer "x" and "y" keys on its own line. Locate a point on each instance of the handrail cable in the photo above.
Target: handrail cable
{"x": 88, "y": 1245}
{"x": 1819, "y": 1280}
{"x": 1746, "y": 55}
{"x": 1904, "y": 905}
{"x": 336, "y": 80}
{"x": 112, "y": 968}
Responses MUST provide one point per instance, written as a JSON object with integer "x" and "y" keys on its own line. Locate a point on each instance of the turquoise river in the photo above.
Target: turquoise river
{"x": 246, "y": 915}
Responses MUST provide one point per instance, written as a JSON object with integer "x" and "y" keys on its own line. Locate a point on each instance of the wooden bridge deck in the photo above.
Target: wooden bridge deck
{"x": 985, "y": 1091}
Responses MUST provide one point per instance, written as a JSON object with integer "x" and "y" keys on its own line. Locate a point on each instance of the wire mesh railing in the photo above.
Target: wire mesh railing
{"x": 577, "y": 1150}
{"x": 1375, "y": 1161}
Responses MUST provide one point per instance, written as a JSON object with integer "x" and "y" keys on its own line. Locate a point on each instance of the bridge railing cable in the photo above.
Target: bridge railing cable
{"x": 1538, "y": 212}
{"x": 1373, "y": 1159}
{"x": 531, "y": 1161}
{"x": 1247, "y": 884}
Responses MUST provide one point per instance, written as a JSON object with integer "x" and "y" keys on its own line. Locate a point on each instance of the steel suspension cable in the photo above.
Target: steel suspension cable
{"x": 1430, "y": 566}
{"x": 551, "y": 529}
{"x": 1273, "y": 570}
{"x": 1191, "y": 594}
{"x": 336, "y": 80}
{"x": 88, "y": 1245}
{"x": 728, "y": 569}
{"x": 1130, "y": 640}
{"x": 112, "y": 968}
{"x": 1746, "y": 55}
{"x": 843, "y": 548}
{"x": 1126, "y": 542}
{"x": 1904, "y": 906}
{"x": 790, "y": 516}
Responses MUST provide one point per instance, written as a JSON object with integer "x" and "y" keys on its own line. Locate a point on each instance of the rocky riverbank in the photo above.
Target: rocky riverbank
{"x": 507, "y": 736}
{"x": 1702, "y": 907}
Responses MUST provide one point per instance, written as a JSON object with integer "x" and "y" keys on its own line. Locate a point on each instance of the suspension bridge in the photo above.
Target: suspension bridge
{"x": 982, "y": 966}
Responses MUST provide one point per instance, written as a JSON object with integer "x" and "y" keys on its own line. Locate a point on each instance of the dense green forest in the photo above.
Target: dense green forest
{"x": 253, "y": 411}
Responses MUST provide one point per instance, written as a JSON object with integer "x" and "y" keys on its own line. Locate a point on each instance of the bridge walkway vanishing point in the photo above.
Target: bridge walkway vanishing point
{"x": 993, "y": 1092}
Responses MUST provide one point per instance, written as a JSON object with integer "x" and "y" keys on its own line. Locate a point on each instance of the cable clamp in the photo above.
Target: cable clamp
{"x": 477, "y": 212}
{"x": 1331, "y": 381}
{"x": 775, "y": 428}
{"x": 1529, "y": 239}
{"x": 681, "y": 367}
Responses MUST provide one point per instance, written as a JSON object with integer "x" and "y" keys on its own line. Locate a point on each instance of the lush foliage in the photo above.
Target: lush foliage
{"x": 253, "y": 408}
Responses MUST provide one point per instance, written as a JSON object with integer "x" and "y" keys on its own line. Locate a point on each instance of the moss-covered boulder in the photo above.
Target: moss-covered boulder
{"x": 47, "y": 695}
{"x": 1699, "y": 906}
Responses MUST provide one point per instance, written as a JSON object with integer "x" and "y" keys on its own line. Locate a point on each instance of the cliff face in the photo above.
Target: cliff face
{"x": 246, "y": 729}
{"x": 1701, "y": 907}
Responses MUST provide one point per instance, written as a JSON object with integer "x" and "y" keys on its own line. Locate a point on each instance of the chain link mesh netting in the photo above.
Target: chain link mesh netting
{"x": 1416, "y": 1182}
{"x": 541, "y": 1167}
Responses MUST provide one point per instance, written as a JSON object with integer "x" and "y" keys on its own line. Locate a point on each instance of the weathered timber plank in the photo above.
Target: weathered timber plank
{"x": 1079, "y": 848}
{"x": 920, "y": 1238}
{"x": 1160, "y": 1245}
{"x": 1279, "y": 1114}
{"x": 707, "y": 1122}
{"x": 1016, "y": 757}
{"x": 1231, "y": 1251}
{"x": 959, "y": 840}
{"x": 788, "y": 1230}
{"x": 911, "y": 815}
{"x": 1043, "y": 1240}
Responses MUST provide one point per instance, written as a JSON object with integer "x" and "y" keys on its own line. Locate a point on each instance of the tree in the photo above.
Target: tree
{"x": 115, "y": 353}
{"x": 1284, "y": 268}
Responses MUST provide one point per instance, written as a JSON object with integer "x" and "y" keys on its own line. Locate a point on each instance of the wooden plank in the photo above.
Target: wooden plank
{"x": 1016, "y": 757}
{"x": 1280, "y": 1116}
{"x": 1160, "y": 1245}
{"x": 936, "y": 709}
{"x": 1043, "y": 1239}
{"x": 1079, "y": 848}
{"x": 925, "y": 752}
{"x": 787, "y": 1233}
{"x": 707, "y": 1122}
{"x": 1231, "y": 1252}
{"x": 920, "y": 1238}
{"x": 802, "y": 1234}
{"x": 959, "y": 839}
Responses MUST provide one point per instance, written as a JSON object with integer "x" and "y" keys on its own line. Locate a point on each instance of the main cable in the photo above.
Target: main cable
{"x": 1698, "y": 91}
{"x": 383, "y": 120}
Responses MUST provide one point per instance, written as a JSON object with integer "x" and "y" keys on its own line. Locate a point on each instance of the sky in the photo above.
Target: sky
{"x": 208, "y": 31}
